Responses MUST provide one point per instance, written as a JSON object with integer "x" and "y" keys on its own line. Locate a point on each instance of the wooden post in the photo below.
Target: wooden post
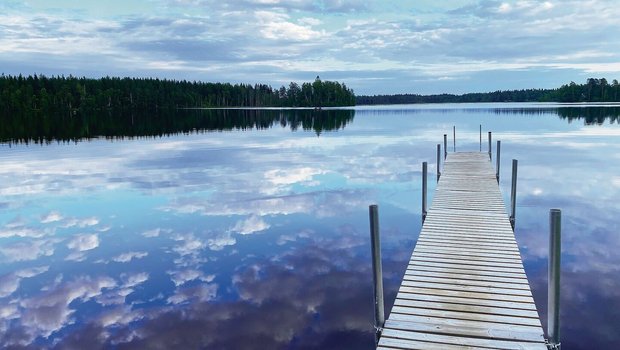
{"x": 490, "y": 146}
{"x": 454, "y": 138}
{"x": 513, "y": 194}
{"x": 438, "y": 161}
{"x": 424, "y": 187}
{"x": 377, "y": 271}
{"x": 553, "y": 291}
{"x": 499, "y": 144}
{"x": 445, "y": 146}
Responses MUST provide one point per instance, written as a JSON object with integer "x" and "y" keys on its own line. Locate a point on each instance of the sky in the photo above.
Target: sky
{"x": 375, "y": 47}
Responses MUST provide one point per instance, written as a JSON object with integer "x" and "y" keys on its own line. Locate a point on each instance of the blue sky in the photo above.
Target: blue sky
{"x": 375, "y": 47}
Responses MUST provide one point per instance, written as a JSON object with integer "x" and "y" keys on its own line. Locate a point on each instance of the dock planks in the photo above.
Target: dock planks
{"x": 465, "y": 287}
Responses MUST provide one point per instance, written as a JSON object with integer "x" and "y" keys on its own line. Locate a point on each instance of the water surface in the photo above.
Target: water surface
{"x": 249, "y": 229}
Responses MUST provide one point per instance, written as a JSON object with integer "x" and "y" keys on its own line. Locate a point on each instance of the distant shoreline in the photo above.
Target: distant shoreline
{"x": 594, "y": 90}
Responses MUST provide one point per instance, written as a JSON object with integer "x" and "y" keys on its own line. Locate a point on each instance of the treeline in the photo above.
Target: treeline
{"x": 529, "y": 95}
{"x": 595, "y": 90}
{"x": 591, "y": 115}
{"x": 38, "y": 127}
{"x": 38, "y": 92}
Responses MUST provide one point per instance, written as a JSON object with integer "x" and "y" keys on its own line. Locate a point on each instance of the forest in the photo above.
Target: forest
{"x": 60, "y": 93}
{"x": 594, "y": 90}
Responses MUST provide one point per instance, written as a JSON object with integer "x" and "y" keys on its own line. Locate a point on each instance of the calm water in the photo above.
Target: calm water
{"x": 255, "y": 236}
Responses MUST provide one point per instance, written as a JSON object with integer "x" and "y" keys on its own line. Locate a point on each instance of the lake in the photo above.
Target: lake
{"x": 248, "y": 229}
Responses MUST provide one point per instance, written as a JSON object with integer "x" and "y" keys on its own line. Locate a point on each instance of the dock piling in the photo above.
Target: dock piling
{"x": 513, "y": 193}
{"x": 445, "y": 146}
{"x": 377, "y": 271}
{"x": 424, "y": 188}
{"x": 438, "y": 161}
{"x": 499, "y": 144}
{"x": 490, "y": 158}
{"x": 553, "y": 292}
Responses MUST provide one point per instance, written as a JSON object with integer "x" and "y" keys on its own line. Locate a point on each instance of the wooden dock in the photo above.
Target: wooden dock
{"x": 465, "y": 286}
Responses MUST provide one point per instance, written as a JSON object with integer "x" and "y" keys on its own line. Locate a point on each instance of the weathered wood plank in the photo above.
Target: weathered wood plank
{"x": 467, "y": 301}
{"x": 523, "y": 321}
{"x": 464, "y": 282}
{"x": 462, "y": 288}
{"x": 474, "y": 309}
{"x": 440, "y": 321}
{"x": 424, "y": 265}
{"x": 450, "y": 340}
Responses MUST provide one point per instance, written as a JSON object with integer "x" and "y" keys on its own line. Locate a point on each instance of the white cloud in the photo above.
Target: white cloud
{"x": 28, "y": 250}
{"x": 9, "y": 312}
{"x": 9, "y": 283}
{"x": 276, "y": 26}
{"x": 221, "y": 241}
{"x": 84, "y": 242}
{"x": 127, "y": 257}
{"x": 200, "y": 293}
{"x": 52, "y": 216}
{"x": 50, "y": 311}
{"x": 180, "y": 277}
{"x": 118, "y": 316}
{"x": 73, "y": 222}
{"x": 152, "y": 233}
{"x": 189, "y": 245}
{"x": 134, "y": 279}
{"x": 18, "y": 221}
{"x": 24, "y": 232}
{"x": 251, "y": 225}
{"x": 292, "y": 176}
{"x": 76, "y": 256}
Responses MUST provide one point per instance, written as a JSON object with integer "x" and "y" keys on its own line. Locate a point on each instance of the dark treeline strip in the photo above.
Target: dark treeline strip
{"x": 38, "y": 127}
{"x": 595, "y": 90}
{"x": 38, "y": 92}
{"x": 591, "y": 115}
{"x": 530, "y": 95}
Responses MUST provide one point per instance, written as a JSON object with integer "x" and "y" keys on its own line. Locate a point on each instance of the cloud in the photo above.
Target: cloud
{"x": 18, "y": 221}
{"x": 356, "y": 41}
{"x": 27, "y": 250}
{"x": 127, "y": 257}
{"x": 9, "y": 283}
{"x": 181, "y": 277}
{"x": 84, "y": 242}
{"x": 119, "y": 316}
{"x": 221, "y": 241}
{"x": 134, "y": 279}
{"x": 52, "y": 216}
{"x": 76, "y": 256}
{"x": 73, "y": 222}
{"x": 251, "y": 225}
{"x": 152, "y": 233}
{"x": 189, "y": 245}
{"x": 24, "y": 232}
{"x": 49, "y": 312}
{"x": 320, "y": 203}
{"x": 276, "y": 26}
{"x": 200, "y": 293}
{"x": 282, "y": 178}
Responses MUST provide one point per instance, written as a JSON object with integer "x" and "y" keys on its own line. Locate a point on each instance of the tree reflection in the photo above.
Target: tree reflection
{"x": 38, "y": 127}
